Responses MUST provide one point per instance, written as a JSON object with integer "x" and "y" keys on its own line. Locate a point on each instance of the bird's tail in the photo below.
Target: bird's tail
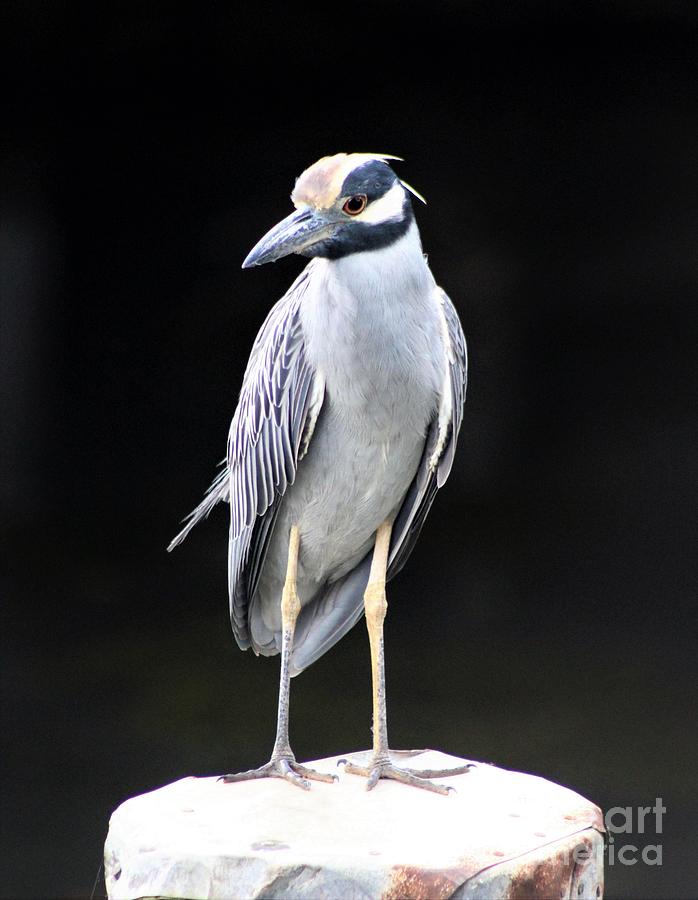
{"x": 336, "y": 609}
{"x": 217, "y": 493}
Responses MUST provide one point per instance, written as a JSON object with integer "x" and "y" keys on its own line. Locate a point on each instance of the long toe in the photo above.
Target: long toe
{"x": 286, "y": 769}
{"x": 283, "y": 767}
{"x": 411, "y": 777}
{"x": 404, "y": 777}
{"x": 250, "y": 775}
{"x": 313, "y": 775}
{"x": 441, "y": 773}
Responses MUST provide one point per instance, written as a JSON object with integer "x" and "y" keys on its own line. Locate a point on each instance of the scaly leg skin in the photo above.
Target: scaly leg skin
{"x": 283, "y": 762}
{"x": 376, "y": 606}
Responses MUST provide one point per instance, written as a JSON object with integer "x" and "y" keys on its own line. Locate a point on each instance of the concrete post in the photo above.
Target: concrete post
{"x": 500, "y": 835}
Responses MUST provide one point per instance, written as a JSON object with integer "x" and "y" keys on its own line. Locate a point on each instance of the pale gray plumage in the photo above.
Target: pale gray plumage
{"x": 348, "y": 415}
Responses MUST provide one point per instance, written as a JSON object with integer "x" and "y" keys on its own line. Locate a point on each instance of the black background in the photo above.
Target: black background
{"x": 546, "y": 621}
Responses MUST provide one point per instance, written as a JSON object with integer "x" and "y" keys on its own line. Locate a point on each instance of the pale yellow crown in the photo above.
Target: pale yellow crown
{"x": 319, "y": 186}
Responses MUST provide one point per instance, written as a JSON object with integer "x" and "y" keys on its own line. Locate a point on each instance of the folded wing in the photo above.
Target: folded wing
{"x": 279, "y": 402}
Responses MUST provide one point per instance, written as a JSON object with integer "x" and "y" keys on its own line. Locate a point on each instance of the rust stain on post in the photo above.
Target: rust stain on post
{"x": 541, "y": 880}
{"x": 410, "y": 883}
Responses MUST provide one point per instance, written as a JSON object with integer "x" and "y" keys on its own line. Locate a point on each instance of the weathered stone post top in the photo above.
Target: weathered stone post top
{"x": 500, "y": 834}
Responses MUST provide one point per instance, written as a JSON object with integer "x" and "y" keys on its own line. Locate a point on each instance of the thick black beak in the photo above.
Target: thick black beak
{"x": 295, "y": 233}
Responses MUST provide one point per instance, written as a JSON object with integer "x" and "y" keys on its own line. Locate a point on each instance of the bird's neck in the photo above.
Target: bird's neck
{"x": 396, "y": 272}
{"x": 371, "y": 326}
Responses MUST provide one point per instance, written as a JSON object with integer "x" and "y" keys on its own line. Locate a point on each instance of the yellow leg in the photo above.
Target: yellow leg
{"x": 376, "y": 607}
{"x": 283, "y": 762}
{"x": 290, "y": 607}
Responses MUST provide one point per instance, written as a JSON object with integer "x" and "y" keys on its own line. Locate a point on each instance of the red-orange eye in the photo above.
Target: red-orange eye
{"x": 355, "y": 205}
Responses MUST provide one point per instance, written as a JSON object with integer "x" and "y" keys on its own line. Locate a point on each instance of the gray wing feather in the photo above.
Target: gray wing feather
{"x": 264, "y": 443}
{"x": 322, "y": 623}
{"x": 458, "y": 377}
{"x": 440, "y": 446}
{"x": 217, "y": 493}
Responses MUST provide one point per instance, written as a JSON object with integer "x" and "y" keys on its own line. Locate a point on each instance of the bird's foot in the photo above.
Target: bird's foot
{"x": 284, "y": 767}
{"x": 382, "y": 767}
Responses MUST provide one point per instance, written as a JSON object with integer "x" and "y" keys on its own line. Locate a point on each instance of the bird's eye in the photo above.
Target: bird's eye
{"x": 355, "y": 205}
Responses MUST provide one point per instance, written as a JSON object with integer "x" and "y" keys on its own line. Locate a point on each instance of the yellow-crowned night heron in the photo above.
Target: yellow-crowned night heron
{"x": 345, "y": 428}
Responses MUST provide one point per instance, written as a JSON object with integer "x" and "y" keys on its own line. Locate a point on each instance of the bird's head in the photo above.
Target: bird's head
{"x": 345, "y": 203}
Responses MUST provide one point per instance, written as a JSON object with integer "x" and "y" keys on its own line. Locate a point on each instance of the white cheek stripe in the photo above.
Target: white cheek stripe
{"x": 389, "y": 206}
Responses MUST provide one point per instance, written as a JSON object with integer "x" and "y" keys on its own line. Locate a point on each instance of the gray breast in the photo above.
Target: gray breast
{"x": 382, "y": 361}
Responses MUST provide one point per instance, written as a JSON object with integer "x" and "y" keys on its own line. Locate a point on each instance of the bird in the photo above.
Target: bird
{"x": 345, "y": 429}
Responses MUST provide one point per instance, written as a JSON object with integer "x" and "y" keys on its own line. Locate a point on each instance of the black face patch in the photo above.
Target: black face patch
{"x": 357, "y": 237}
{"x": 373, "y": 178}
